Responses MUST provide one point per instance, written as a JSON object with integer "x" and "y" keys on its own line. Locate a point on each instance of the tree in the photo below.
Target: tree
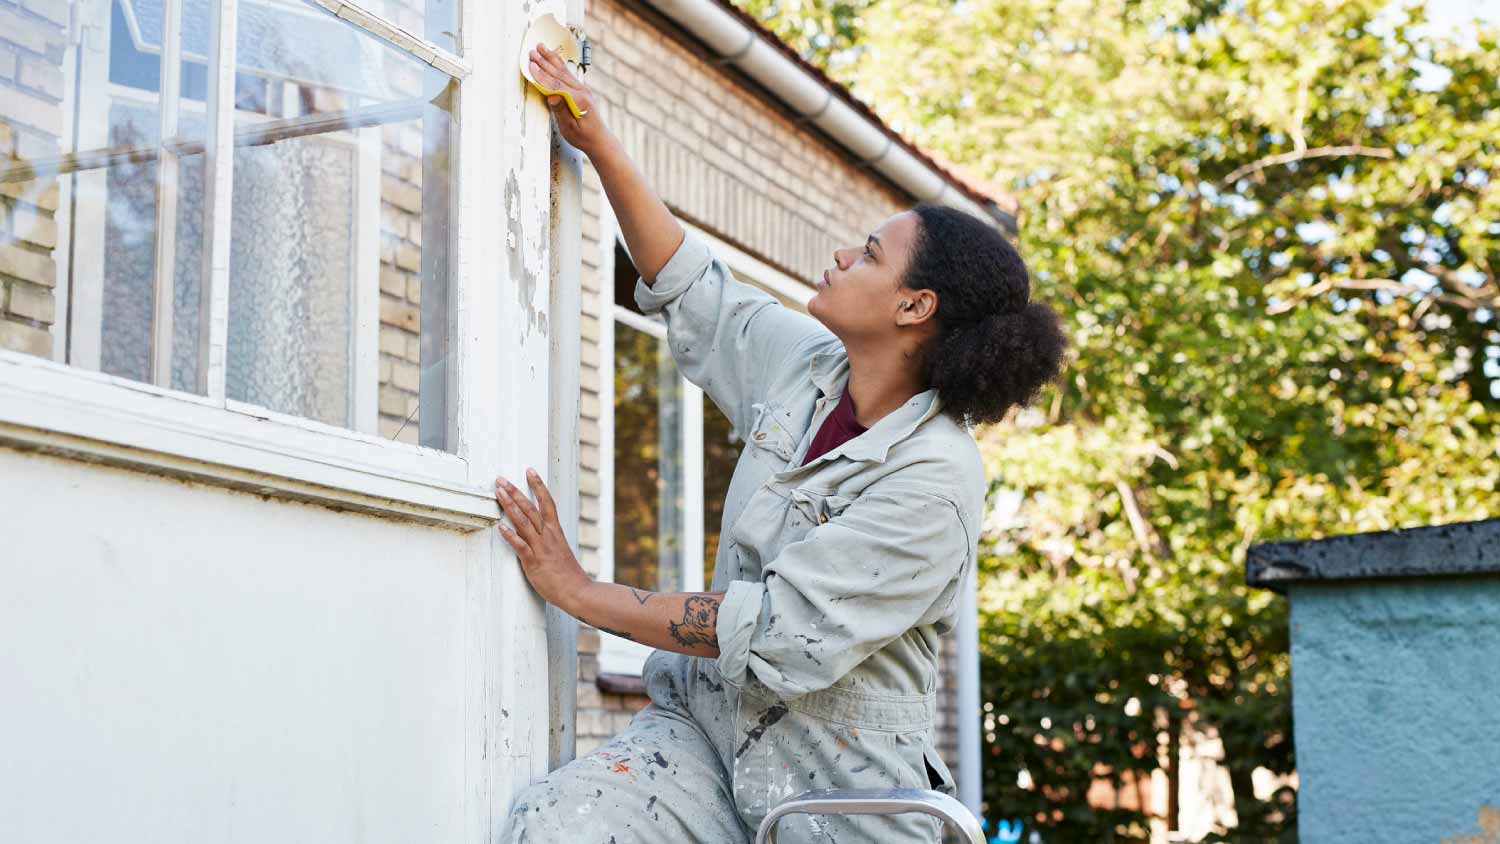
{"x": 1272, "y": 227}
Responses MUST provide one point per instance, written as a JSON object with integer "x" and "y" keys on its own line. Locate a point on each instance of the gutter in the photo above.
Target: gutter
{"x": 739, "y": 40}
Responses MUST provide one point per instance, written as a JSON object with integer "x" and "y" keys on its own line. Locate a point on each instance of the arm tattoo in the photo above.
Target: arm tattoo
{"x": 640, "y": 596}
{"x": 700, "y": 615}
{"x": 621, "y": 633}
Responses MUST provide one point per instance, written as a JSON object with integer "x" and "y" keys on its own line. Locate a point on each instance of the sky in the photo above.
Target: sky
{"x": 1447, "y": 14}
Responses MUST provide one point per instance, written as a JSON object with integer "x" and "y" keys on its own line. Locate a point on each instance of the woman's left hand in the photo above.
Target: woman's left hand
{"x": 539, "y": 541}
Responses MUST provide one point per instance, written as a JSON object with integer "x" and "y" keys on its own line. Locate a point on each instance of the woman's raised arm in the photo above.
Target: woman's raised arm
{"x": 651, "y": 233}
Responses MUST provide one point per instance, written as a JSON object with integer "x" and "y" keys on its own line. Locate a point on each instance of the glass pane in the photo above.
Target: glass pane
{"x": 339, "y": 257}
{"x": 648, "y": 463}
{"x": 721, "y": 451}
{"x": 87, "y": 178}
{"x": 434, "y": 20}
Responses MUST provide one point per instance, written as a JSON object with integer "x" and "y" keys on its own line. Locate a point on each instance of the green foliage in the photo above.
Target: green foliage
{"x": 1272, "y": 227}
{"x": 825, "y": 32}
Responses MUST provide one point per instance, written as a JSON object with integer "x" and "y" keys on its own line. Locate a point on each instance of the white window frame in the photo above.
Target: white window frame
{"x": 623, "y": 656}
{"x": 55, "y": 408}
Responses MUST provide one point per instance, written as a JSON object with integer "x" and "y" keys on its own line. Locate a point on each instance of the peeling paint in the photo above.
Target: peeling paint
{"x": 524, "y": 279}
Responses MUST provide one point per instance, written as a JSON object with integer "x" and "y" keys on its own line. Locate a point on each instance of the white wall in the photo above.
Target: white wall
{"x": 185, "y": 663}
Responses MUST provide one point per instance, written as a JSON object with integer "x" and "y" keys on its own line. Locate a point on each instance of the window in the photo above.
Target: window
{"x": 673, "y": 452}
{"x": 273, "y": 238}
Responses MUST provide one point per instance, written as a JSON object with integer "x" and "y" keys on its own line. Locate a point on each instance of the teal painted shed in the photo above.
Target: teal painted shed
{"x": 1395, "y": 641}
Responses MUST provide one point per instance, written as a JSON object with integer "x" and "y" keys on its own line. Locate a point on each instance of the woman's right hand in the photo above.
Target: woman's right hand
{"x": 586, "y": 133}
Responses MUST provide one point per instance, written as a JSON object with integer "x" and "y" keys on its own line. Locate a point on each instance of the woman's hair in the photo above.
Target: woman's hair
{"x": 995, "y": 348}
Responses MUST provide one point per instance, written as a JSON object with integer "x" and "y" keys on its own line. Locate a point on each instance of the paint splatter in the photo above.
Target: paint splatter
{"x": 757, "y": 732}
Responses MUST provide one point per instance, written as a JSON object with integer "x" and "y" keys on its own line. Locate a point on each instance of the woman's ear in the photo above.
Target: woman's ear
{"x": 916, "y": 307}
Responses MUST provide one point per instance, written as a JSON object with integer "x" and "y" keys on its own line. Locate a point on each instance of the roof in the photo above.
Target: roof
{"x": 1466, "y": 548}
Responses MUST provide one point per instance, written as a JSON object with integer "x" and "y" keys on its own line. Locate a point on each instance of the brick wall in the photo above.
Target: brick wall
{"x": 724, "y": 158}
{"x": 401, "y": 247}
{"x": 32, "y": 42}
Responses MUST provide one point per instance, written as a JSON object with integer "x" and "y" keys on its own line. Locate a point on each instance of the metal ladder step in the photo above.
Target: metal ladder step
{"x": 874, "y": 801}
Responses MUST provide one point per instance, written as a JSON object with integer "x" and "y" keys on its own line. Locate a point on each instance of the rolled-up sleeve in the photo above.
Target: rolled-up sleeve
{"x": 890, "y": 562}
{"x": 726, "y": 336}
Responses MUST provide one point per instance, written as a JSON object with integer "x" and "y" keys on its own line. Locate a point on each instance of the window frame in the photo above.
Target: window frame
{"x": 47, "y": 406}
{"x": 623, "y": 656}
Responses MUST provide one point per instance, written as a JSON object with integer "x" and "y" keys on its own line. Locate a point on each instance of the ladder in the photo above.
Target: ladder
{"x": 874, "y": 801}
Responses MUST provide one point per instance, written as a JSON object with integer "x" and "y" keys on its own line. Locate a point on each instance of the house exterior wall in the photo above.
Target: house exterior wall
{"x": 723, "y": 157}
{"x": 188, "y": 659}
{"x": 223, "y": 621}
{"x": 1395, "y": 709}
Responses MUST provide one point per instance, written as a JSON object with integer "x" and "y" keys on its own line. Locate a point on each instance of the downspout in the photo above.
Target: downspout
{"x": 566, "y": 310}
{"x": 816, "y": 104}
{"x": 812, "y": 99}
{"x": 970, "y": 770}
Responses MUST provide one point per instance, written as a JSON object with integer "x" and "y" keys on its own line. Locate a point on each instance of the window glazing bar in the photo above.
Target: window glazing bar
{"x": 213, "y": 331}
{"x": 390, "y": 33}
{"x": 268, "y": 132}
{"x": 168, "y": 171}
{"x": 438, "y": 376}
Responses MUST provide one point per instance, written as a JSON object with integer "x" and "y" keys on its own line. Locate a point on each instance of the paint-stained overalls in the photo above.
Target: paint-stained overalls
{"x": 839, "y": 578}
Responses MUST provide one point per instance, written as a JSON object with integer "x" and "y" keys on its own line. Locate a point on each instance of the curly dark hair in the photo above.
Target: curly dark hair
{"x": 995, "y": 348}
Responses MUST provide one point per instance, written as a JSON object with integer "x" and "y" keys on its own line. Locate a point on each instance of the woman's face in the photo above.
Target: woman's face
{"x": 860, "y": 297}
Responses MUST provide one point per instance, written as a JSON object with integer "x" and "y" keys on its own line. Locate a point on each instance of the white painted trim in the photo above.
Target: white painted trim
{"x": 63, "y": 216}
{"x": 564, "y": 411}
{"x": 646, "y": 325}
{"x": 85, "y": 307}
{"x": 218, "y": 207}
{"x": 692, "y": 487}
{"x": 621, "y": 656}
{"x": 966, "y": 634}
{"x": 104, "y": 418}
{"x": 759, "y": 272}
{"x": 379, "y": 27}
{"x": 168, "y": 167}
{"x": 608, "y": 228}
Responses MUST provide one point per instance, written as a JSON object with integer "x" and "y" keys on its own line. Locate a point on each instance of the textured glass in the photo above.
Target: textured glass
{"x": 338, "y": 224}
{"x": 648, "y": 463}
{"x": 341, "y": 200}
{"x": 186, "y": 307}
{"x": 291, "y": 278}
{"x": 129, "y": 251}
{"x": 130, "y": 255}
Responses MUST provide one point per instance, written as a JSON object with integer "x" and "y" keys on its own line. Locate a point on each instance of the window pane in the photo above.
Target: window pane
{"x": 721, "y": 451}
{"x": 434, "y": 20}
{"x": 339, "y": 259}
{"x": 87, "y": 179}
{"x": 648, "y": 463}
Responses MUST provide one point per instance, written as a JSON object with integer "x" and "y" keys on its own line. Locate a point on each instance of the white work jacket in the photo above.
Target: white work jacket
{"x": 839, "y": 576}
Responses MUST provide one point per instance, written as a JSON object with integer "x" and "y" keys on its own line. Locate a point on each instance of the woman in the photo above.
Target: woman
{"x": 850, "y": 523}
